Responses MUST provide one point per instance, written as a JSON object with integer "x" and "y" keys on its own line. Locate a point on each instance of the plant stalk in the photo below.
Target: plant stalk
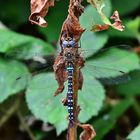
{"x": 25, "y": 126}
{"x": 72, "y": 131}
{"x": 10, "y": 112}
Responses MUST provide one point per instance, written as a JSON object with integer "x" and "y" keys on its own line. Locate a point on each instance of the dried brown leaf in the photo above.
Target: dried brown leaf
{"x": 118, "y": 23}
{"x": 97, "y": 28}
{"x": 88, "y": 132}
{"x": 60, "y": 73}
{"x": 80, "y": 80}
{"x": 39, "y": 9}
{"x": 71, "y": 26}
{"x": 81, "y": 63}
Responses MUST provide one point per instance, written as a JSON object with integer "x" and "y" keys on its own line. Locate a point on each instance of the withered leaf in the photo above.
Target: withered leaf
{"x": 39, "y": 9}
{"x": 81, "y": 63}
{"x": 71, "y": 26}
{"x": 60, "y": 73}
{"x": 88, "y": 132}
{"x": 98, "y": 27}
{"x": 117, "y": 22}
{"x": 80, "y": 80}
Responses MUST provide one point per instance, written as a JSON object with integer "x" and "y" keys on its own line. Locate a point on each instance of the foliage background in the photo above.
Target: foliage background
{"x": 27, "y": 86}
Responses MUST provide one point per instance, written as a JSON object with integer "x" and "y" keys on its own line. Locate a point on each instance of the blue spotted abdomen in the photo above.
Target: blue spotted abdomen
{"x": 70, "y": 94}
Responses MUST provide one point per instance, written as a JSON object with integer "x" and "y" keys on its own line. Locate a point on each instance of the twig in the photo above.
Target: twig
{"x": 136, "y": 107}
{"x": 10, "y": 112}
{"x": 25, "y": 126}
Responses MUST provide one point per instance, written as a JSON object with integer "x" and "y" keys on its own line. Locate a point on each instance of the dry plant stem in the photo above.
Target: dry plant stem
{"x": 73, "y": 130}
{"x": 25, "y": 126}
{"x": 136, "y": 107}
{"x": 10, "y": 112}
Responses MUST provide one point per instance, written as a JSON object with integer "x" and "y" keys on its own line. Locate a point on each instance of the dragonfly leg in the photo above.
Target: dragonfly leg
{"x": 65, "y": 101}
{"x": 78, "y": 110}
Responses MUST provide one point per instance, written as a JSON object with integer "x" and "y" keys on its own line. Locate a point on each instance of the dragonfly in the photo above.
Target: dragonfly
{"x": 69, "y": 43}
{"x": 97, "y": 69}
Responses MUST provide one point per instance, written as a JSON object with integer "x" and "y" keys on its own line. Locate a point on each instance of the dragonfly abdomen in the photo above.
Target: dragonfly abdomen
{"x": 70, "y": 94}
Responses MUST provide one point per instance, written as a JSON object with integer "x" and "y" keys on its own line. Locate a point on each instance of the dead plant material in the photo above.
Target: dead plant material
{"x": 88, "y": 132}
{"x": 39, "y": 9}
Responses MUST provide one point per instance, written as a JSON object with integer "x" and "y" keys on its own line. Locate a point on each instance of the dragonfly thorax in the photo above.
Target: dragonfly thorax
{"x": 69, "y": 57}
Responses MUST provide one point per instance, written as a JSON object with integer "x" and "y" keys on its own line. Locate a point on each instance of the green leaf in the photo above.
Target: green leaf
{"x": 43, "y": 104}
{"x": 9, "y": 72}
{"x": 135, "y": 134}
{"x": 91, "y": 17}
{"x": 91, "y": 97}
{"x": 48, "y": 108}
{"x": 109, "y": 63}
{"x": 55, "y": 19}
{"x": 134, "y": 26}
{"x": 125, "y": 7}
{"x": 99, "y": 5}
{"x": 104, "y": 124}
{"x": 92, "y": 42}
{"x": 22, "y": 46}
{"x": 131, "y": 29}
{"x": 131, "y": 88}
{"x": 2, "y": 26}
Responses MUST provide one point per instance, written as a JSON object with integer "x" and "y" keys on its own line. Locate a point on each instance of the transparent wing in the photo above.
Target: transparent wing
{"x": 110, "y": 65}
{"x": 106, "y": 75}
{"x": 36, "y": 67}
{"x": 91, "y": 52}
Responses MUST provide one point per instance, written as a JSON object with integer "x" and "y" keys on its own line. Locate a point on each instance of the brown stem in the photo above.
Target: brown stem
{"x": 72, "y": 132}
{"x": 25, "y": 126}
{"x": 10, "y": 112}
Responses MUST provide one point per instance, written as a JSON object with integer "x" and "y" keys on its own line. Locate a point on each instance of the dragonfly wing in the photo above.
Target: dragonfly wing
{"x": 107, "y": 75}
{"x": 90, "y": 52}
{"x": 88, "y": 42}
{"x": 24, "y": 79}
{"x": 37, "y": 68}
{"x": 113, "y": 64}
{"x": 115, "y": 80}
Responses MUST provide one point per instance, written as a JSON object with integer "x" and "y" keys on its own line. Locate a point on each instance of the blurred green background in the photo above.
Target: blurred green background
{"x": 28, "y": 110}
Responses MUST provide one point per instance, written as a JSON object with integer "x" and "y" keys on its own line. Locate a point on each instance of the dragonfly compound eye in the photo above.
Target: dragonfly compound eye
{"x": 65, "y": 43}
{"x": 72, "y": 43}
{"x": 68, "y": 43}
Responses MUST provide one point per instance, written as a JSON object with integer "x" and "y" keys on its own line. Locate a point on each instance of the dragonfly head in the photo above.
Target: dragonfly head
{"x": 69, "y": 43}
